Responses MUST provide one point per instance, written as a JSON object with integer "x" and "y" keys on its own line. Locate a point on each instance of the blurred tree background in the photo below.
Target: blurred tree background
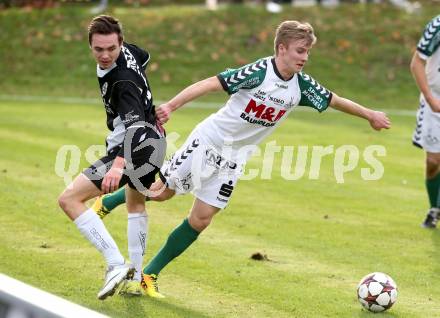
{"x": 51, "y": 3}
{"x": 363, "y": 50}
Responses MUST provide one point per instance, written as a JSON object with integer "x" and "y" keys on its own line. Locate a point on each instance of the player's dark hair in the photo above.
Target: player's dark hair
{"x": 105, "y": 24}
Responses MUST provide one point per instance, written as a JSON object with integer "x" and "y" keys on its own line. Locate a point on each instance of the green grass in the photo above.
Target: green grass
{"x": 358, "y": 55}
{"x": 321, "y": 237}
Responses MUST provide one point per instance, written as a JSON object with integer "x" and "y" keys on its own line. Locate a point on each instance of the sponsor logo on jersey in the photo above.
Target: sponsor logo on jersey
{"x": 130, "y": 117}
{"x": 281, "y": 86}
{"x": 131, "y": 64}
{"x": 225, "y": 191}
{"x": 314, "y": 97}
{"x": 104, "y": 89}
{"x": 260, "y": 95}
{"x": 213, "y": 159}
{"x": 107, "y": 107}
{"x": 290, "y": 104}
{"x": 261, "y": 114}
{"x": 244, "y": 74}
{"x": 276, "y": 101}
{"x": 248, "y": 83}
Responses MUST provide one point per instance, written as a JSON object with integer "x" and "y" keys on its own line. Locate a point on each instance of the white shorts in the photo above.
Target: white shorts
{"x": 199, "y": 168}
{"x": 427, "y": 132}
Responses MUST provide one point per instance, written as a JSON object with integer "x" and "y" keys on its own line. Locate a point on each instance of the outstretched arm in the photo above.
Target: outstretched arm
{"x": 190, "y": 93}
{"x": 418, "y": 71}
{"x": 377, "y": 120}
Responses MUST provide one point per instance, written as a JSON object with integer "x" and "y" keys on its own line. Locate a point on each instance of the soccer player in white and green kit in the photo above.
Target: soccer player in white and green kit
{"x": 209, "y": 164}
{"x": 425, "y": 67}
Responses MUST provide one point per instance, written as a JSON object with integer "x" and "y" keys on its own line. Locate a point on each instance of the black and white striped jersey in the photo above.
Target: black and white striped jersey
{"x": 127, "y": 98}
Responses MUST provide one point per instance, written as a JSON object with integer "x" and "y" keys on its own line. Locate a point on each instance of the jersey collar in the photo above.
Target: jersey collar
{"x": 275, "y": 69}
{"x": 101, "y": 73}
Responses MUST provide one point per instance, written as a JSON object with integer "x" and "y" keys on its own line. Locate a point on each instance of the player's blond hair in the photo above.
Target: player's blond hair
{"x": 289, "y": 31}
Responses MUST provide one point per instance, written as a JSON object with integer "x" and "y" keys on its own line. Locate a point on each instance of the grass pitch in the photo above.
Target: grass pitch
{"x": 320, "y": 237}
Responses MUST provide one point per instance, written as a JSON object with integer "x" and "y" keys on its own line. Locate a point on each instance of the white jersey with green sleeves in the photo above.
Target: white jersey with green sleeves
{"x": 429, "y": 49}
{"x": 260, "y": 100}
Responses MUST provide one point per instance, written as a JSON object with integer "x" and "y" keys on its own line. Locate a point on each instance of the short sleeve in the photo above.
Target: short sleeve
{"x": 430, "y": 39}
{"x": 246, "y": 77}
{"x": 313, "y": 94}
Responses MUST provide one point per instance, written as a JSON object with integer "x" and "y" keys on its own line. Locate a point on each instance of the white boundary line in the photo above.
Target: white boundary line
{"x": 33, "y": 302}
{"x": 202, "y": 105}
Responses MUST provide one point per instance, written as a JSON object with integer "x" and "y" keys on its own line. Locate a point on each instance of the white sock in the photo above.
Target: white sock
{"x": 91, "y": 226}
{"x": 137, "y": 232}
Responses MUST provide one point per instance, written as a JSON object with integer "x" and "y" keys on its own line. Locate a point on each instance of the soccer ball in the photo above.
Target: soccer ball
{"x": 377, "y": 292}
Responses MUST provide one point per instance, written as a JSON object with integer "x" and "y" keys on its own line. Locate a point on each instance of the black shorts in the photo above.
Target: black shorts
{"x": 139, "y": 172}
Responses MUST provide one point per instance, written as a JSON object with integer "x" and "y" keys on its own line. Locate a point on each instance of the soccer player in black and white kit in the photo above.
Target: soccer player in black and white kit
{"x": 135, "y": 152}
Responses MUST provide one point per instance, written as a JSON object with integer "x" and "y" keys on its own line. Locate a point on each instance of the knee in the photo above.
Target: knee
{"x": 135, "y": 206}
{"x": 432, "y": 162}
{"x": 163, "y": 196}
{"x": 63, "y": 201}
{"x": 67, "y": 201}
{"x": 432, "y": 166}
{"x": 200, "y": 223}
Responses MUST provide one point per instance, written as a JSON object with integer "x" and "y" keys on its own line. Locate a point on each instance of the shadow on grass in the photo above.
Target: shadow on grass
{"x": 148, "y": 307}
{"x": 387, "y": 314}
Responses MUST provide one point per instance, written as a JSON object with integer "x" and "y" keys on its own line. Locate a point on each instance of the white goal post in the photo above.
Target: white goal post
{"x": 19, "y": 300}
